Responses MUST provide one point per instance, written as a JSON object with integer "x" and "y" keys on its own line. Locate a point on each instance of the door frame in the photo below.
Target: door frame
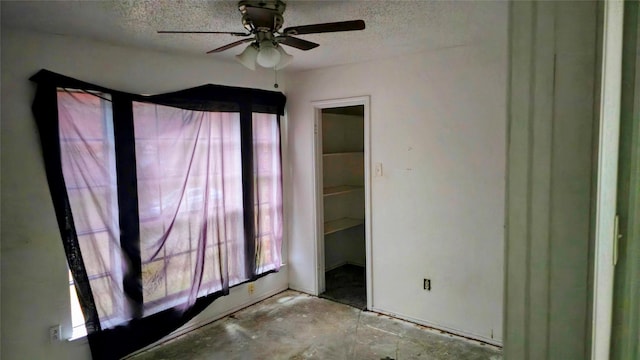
{"x": 318, "y": 106}
{"x": 626, "y": 298}
{"x": 607, "y": 179}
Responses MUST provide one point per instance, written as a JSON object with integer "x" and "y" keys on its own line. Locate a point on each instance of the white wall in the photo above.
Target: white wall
{"x": 345, "y": 247}
{"x": 35, "y": 292}
{"x": 438, "y": 125}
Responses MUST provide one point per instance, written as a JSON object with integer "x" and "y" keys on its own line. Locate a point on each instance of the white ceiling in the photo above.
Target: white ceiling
{"x": 393, "y": 27}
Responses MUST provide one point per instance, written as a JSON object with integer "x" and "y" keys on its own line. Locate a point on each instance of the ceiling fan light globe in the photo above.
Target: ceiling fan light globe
{"x": 268, "y": 55}
{"x": 248, "y": 57}
{"x": 285, "y": 59}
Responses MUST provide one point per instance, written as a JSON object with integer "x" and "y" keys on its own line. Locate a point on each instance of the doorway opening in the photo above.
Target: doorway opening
{"x": 342, "y": 174}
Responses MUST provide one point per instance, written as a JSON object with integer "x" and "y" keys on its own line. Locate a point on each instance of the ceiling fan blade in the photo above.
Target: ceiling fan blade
{"x": 324, "y": 28}
{"x": 296, "y": 42}
{"x": 203, "y": 32}
{"x": 229, "y": 46}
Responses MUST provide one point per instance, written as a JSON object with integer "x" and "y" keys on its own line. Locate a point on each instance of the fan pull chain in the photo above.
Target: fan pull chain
{"x": 276, "y": 76}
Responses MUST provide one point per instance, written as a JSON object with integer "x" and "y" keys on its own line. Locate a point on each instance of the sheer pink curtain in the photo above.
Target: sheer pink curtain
{"x": 88, "y": 166}
{"x": 267, "y": 191}
{"x": 190, "y": 200}
{"x": 190, "y": 203}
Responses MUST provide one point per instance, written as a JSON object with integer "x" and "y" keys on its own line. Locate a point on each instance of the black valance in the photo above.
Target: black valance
{"x": 207, "y": 97}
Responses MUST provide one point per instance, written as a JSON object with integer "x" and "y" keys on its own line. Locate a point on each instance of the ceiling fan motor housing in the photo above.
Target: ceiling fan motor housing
{"x": 262, "y": 16}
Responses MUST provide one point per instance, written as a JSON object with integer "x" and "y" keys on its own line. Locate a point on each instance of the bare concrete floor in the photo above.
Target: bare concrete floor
{"x": 292, "y": 325}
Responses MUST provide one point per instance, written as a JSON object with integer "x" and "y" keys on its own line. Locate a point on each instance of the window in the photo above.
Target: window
{"x": 190, "y": 202}
{"x": 189, "y": 198}
{"x": 88, "y": 165}
{"x": 77, "y": 319}
{"x": 267, "y": 189}
{"x": 163, "y": 202}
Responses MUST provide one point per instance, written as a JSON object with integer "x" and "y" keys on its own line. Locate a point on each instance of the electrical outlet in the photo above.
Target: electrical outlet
{"x": 55, "y": 333}
{"x": 251, "y": 287}
{"x": 426, "y": 284}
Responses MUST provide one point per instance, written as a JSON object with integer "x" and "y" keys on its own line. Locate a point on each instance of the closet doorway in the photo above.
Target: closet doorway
{"x": 343, "y": 201}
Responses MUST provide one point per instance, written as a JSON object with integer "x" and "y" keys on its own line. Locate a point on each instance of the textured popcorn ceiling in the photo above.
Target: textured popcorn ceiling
{"x": 393, "y": 27}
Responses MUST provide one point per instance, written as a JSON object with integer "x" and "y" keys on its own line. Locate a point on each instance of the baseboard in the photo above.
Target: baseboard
{"x": 302, "y": 290}
{"x": 448, "y": 330}
{"x": 231, "y": 310}
{"x": 335, "y": 266}
{"x": 356, "y": 263}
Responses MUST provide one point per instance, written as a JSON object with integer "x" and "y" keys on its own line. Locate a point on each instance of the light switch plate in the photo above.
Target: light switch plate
{"x": 378, "y": 169}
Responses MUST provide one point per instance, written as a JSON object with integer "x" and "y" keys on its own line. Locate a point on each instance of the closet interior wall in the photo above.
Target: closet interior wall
{"x": 343, "y": 187}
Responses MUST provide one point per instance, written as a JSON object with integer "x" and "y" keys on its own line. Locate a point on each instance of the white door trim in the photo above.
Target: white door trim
{"x": 607, "y": 175}
{"x": 319, "y": 285}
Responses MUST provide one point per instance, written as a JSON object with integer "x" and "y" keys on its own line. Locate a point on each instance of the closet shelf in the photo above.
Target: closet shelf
{"x": 342, "y": 189}
{"x": 344, "y": 153}
{"x": 341, "y": 224}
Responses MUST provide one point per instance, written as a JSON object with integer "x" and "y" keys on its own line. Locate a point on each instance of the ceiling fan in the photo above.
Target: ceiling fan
{"x": 263, "y": 20}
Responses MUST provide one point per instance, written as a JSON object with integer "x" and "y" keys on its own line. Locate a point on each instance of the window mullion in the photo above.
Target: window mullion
{"x": 246, "y": 146}
{"x": 128, "y": 201}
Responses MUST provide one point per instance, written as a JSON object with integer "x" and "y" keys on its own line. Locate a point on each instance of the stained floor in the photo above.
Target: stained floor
{"x": 346, "y": 285}
{"x": 293, "y": 325}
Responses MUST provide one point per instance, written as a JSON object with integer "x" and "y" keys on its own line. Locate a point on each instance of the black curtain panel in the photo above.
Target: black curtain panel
{"x": 163, "y": 202}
